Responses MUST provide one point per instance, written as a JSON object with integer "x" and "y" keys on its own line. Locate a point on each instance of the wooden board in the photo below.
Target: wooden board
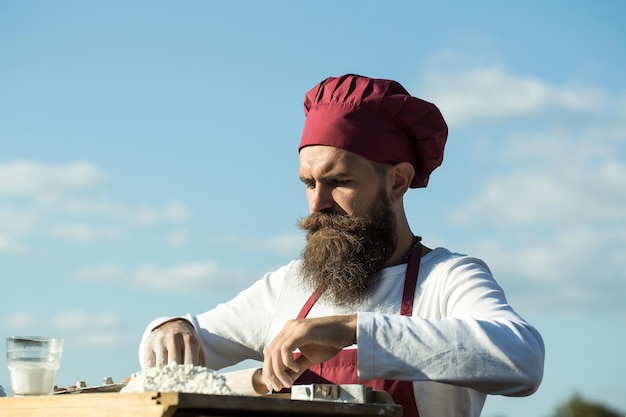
{"x": 145, "y": 404}
{"x": 159, "y": 404}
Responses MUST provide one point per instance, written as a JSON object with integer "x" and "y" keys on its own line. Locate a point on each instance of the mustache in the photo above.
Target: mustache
{"x": 332, "y": 221}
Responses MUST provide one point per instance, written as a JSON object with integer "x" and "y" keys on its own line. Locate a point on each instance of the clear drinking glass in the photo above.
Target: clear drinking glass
{"x": 33, "y": 362}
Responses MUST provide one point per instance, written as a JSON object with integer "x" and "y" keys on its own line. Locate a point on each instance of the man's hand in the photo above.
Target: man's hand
{"x": 318, "y": 339}
{"x": 173, "y": 341}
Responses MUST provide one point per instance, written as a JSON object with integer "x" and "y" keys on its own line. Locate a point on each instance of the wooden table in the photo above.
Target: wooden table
{"x": 171, "y": 404}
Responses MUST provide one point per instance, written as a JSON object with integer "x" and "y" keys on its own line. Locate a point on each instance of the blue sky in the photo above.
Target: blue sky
{"x": 148, "y": 162}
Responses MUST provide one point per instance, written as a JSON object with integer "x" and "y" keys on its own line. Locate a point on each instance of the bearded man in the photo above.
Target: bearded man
{"x": 368, "y": 303}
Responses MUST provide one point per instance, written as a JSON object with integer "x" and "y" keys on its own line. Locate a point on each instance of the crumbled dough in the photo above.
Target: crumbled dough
{"x": 179, "y": 378}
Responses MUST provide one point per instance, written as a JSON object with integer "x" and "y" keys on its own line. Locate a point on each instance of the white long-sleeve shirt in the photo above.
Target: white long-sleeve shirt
{"x": 462, "y": 342}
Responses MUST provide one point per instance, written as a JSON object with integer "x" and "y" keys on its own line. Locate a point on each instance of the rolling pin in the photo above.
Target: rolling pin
{"x": 246, "y": 382}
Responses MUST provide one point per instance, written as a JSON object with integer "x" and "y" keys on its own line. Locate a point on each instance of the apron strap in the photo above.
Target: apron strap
{"x": 310, "y": 302}
{"x": 410, "y": 281}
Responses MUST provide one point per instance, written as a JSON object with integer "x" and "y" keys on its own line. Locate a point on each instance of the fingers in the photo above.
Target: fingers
{"x": 189, "y": 356}
{"x": 160, "y": 356}
{"x": 174, "y": 349}
{"x": 279, "y": 365}
{"x": 193, "y": 352}
{"x": 273, "y": 368}
{"x": 276, "y": 378}
{"x": 318, "y": 340}
{"x": 153, "y": 350}
{"x": 201, "y": 356}
{"x": 173, "y": 343}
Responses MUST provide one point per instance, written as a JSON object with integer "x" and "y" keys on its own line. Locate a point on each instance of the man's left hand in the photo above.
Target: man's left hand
{"x": 318, "y": 339}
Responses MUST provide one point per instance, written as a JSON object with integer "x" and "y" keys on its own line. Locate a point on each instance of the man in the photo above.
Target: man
{"x": 368, "y": 303}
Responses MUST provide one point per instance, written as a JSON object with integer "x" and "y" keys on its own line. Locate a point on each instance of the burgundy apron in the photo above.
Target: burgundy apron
{"x": 342, "y": 369}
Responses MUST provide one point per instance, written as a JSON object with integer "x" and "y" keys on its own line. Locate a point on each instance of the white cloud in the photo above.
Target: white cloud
{"x": 19, "y": 320}
{"x": 172, "y": 212}
{"x": 15, "y": 224}
{"x": 10, "y": 246}
{"x": 100, "y": 340}
{"x": 80, "y": 206}
{"x": 17, "y": 221}
{"x": 89, "y": 330}
{"x": 484, "y": 94}
{"x": 551, "y": 220}
{"x": 574, "y": 271}
{"x": 284, "y": 244}
{"x": 198, "y": 275}
{"x": 178, "y": 237}
{"x": 59, "y": 199}
{"x": 548, "y": 197}
{"x": 42, "y": 181}
{"x": 137, "y": 214}
{"x": 82, "y": 232}
{"x": 289, "y": 244}
{"x": 99, "y": 273}
{"x": 79, "y": 328}
{"x": 79, "y": 320}
{"x": 556, "y": 176}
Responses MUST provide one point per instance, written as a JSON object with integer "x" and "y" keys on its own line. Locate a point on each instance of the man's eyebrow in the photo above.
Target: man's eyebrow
{"x": 327, "y": 177}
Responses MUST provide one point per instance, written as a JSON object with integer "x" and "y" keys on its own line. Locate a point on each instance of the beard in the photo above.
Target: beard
{"x": 344, "y": 253}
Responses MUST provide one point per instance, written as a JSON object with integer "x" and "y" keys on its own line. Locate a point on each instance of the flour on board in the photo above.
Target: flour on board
{"x": 179, "y": 378}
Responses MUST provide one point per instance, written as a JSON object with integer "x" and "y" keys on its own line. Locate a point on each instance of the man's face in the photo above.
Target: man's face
{"x": 337, "y": 181}
{"x": 351, "y": 228}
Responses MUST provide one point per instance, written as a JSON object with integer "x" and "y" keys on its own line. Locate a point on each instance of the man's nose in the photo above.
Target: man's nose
{"x": 321, "y": 199}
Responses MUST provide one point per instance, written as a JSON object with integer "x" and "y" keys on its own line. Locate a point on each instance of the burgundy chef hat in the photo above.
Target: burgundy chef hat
{"x": 377, "y": 119}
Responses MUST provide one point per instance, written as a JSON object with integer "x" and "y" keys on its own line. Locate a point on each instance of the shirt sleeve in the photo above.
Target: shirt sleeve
{"x": 462, "y": 332}
{"x": 235, "y": 331}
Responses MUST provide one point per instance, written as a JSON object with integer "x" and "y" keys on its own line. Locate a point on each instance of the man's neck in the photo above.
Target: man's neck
{"x": 406, "y": 242}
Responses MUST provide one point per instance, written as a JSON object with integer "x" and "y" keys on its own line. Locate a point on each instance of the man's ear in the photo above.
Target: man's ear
{"x": 400, "y": 177}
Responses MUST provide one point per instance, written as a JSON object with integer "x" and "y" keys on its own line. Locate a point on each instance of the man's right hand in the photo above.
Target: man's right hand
{"x": 173, "y": 341}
